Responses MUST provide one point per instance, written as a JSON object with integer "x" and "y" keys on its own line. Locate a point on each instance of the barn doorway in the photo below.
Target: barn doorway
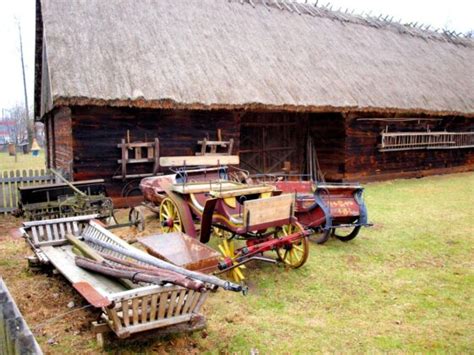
{"x": 272, "y": 142}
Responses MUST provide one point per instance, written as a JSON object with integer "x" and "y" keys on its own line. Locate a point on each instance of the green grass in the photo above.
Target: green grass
{"x": 23, "y": 161}
{"x": 404, "y": 285}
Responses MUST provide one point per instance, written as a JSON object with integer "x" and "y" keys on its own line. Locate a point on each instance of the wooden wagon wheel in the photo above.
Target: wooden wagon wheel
{"x": 320, "y": 235}
{"x": 346, "y": 235}
{"x": 170, "y": 219}
{"x": 294, "y": 255}
{"x": 227, "y": 249}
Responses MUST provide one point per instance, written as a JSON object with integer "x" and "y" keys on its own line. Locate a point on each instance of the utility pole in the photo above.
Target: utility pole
{"x": 24, "y": 87}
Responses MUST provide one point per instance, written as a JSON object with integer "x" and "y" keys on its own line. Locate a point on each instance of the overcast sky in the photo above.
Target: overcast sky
{"x": 455, "y": 15}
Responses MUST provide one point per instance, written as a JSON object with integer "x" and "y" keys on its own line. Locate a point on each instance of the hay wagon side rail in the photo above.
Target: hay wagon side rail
{"x": 128, "y": 311}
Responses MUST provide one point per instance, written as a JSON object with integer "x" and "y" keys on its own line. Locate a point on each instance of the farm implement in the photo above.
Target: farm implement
{"x": 258, "y": 215}
{"x": 328, "y": 208}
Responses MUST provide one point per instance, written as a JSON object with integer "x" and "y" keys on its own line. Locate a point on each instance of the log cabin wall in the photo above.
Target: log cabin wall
{"x": 98, "y": 130}
{"x": 328, "y": 133}
{"x": 59, "y": 136}
{"x": 364, "y": 161}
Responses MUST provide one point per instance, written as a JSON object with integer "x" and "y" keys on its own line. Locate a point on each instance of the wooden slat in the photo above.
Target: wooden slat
{"x": 49, "y": 232}
{"x": 144, "y": 308}
{"x": 126, "y": 318}
{"x": 56, "y": 234}
{"x": 163, "y": 305}
{"x": 189, "y": 300}
{"x": 244, "y": 190}
{"x": 153, "y": 310}
{"x": 171, "y": 304}
{"x": 34, "y": 233}
{"x": 135, "y": 303}
{"x": 207, "y": 160}
{"x": 180, "y": 302}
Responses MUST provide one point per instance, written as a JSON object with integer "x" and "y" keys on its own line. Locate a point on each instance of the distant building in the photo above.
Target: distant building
{"x": 5, "y": 131}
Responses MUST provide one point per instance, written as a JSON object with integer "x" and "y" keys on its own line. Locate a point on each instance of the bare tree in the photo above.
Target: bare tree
{"x": 19, "y": 125}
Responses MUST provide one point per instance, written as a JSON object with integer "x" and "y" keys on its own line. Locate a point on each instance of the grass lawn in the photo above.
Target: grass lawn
{"x": 23, "y": 161}
{"x": 404, "y": 285}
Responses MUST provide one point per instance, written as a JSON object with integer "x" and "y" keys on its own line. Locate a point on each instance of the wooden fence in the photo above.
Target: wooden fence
{"x": 15, "y": 336}
{"x": 10, "y": 180}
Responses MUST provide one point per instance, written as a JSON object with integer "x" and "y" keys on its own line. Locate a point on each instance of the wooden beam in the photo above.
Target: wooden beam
{"x": 209, "y": 160}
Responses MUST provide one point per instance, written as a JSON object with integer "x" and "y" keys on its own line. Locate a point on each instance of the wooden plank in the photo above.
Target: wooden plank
{"x": 144, "y": 308}
{"x": 189, "y": 300}
{"x": 125, "y": 315}
{"x": 191, "y": 160}
{"x": 153, "y": 310}
{"x": 34, "y": 233}
{"x": 135, "y": 303}
{"x": 206, "y": 187}
{"x": 63, "y": 259}
{"x": 171, "y": 304}
{"x": 137, "y": 161}
{"x": 196, "y": 298}
{"x": 244, "y": 190}
{"x": 163, "y": 305}
{"x": 266, "y": 210}
{"x": 124, "y": 158}
{"x": 60, "y": 220}
{"x": 56, "y": 235}
{"x": 180, "y": 302}
{"x": 160, "y": 323}
{"x": 138, "y": 153}
{"x": 49, "y": 233}
{"x": 202, "y": 299}
{"x": 135, "y": 145}
{"x": 156, "y": 157}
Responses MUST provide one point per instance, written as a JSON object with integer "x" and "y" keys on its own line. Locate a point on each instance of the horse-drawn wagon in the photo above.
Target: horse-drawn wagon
{"x": 257, "y": 214}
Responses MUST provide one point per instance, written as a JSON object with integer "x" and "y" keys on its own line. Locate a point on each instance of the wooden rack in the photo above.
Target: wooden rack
{"x": 399, "y": 141}
{"x": 141, "y": 152}
{"x": 211, "y": 147}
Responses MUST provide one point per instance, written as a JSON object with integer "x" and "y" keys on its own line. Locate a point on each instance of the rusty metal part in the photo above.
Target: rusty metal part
{"x": 91, "y": 294}
{"x": 182, "y": 250}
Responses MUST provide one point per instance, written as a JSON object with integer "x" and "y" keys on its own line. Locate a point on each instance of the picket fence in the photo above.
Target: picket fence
{"x": 10, "y": 180}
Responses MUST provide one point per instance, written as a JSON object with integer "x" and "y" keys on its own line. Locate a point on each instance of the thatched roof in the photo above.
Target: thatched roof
{"x": 238, "y": 54}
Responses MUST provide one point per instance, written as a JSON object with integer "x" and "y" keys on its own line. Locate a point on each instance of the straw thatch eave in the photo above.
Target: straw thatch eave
{"x": 217, "y": 54}
{"x": 173, "y": 105}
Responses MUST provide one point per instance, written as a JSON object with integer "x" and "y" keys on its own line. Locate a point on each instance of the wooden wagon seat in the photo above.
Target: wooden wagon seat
{"x": 241, "y": 191}
{"x": 203, "y": 160}
{"x": 222, "y": 189}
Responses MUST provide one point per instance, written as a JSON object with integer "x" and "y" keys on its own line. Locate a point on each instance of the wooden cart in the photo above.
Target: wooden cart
{"x": 328, "y": 208}
{"x": 259, "y": 215}
{"x": 124, "y": 311}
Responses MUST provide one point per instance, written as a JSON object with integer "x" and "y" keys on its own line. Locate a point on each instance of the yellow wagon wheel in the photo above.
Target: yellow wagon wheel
{"x": 295, "y": 254}
{"x": 227, "y": 249}
{"x": 170, "y": 218}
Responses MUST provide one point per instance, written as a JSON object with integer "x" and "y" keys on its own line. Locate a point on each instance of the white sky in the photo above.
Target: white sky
{"x": 455, "y": 15}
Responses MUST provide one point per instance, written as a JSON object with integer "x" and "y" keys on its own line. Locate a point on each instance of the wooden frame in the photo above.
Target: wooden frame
{"x": 152, "y": 155}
